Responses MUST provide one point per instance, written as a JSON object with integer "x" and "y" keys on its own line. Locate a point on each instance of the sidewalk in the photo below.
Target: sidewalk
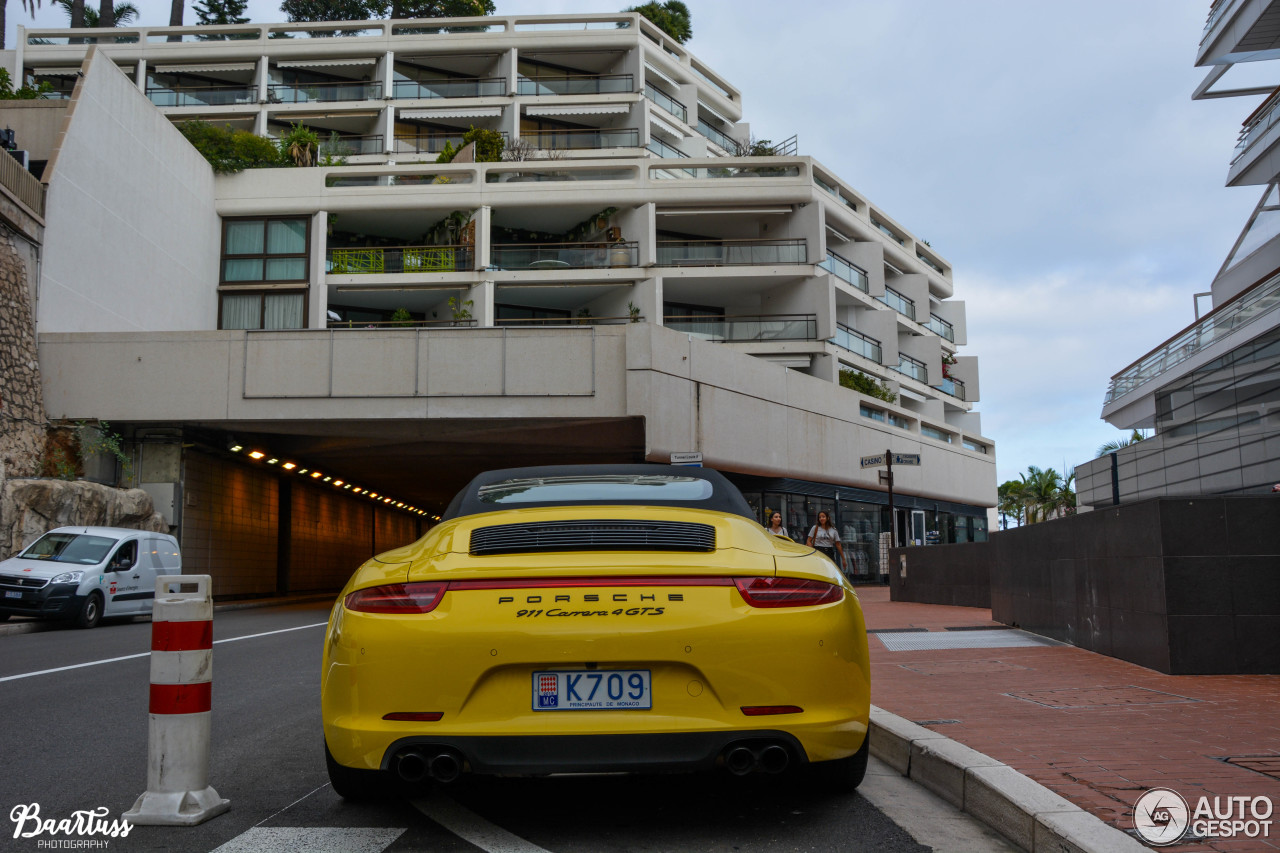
{"x": 1096, "y": 730}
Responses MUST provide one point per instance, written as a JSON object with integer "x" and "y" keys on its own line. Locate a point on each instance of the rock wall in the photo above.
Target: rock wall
{"x": 29, "y": 508}
{"x": 22, "y": 416}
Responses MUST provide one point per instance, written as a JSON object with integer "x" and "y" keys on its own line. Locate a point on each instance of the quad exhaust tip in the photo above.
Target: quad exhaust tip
{"x": 741, "y": 759}
{"x": 413, "y": 765}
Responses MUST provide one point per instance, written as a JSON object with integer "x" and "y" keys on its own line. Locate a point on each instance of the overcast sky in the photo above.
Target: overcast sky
{"x": 1050, "y": 151}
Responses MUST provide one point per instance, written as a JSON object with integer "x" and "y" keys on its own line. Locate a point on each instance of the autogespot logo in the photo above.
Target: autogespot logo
{"x": 1161, "y": 816}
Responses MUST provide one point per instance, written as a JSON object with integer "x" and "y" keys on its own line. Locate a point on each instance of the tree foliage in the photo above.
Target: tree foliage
{"x": 1117, "y": 444}
{"x": 229, "y": 150}
{"x": 1037, "y": 495}
{"x": 316, "y": 11}
{"x": 123, "y": 14}
{"x": 25, "y": 93}
{"x": 864, "y": 384}
{"x": 211, "y": 13}
{"x": 672, "y": 17}
{"x": 489, "y": 146}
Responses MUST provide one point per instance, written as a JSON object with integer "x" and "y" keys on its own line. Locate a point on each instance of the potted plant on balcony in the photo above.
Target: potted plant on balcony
{"x": 461, "y": 310}
{"x": 948, "y": 362}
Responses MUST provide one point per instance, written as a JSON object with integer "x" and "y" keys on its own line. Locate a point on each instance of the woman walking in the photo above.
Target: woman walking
{"x": 775, "y": 525}
{"x": 824, "y": 537}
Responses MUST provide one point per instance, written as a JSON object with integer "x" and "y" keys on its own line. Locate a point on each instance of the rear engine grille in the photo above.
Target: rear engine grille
{"x": 603, "y": 535}
{"x": 24, "y": 582}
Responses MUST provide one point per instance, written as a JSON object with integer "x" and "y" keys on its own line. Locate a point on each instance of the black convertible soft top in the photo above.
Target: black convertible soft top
{"x": 599, "y": 485}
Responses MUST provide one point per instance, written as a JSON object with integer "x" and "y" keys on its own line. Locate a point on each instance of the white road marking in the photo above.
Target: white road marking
{"x": 148, "y": 654}
{"x": 469, "y": 826}
{"x": 327, "y": 839}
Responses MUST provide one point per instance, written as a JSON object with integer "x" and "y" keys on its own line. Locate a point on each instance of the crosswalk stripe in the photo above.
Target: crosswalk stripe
{"x": 469, "y": 826}
{"x": 289, "y": 839}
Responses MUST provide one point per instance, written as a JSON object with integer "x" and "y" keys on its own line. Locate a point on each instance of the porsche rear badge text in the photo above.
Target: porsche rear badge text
{"x": 592, "y": 598}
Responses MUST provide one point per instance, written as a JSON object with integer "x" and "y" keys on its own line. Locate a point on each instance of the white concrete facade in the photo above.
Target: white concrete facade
{"x": 771, "y": 275}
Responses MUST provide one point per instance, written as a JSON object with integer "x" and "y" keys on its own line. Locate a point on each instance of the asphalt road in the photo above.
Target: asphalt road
{"x": 73, "y": 706}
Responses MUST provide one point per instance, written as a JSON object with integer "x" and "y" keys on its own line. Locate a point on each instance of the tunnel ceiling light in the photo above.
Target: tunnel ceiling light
{"x": 272, "y": 461}
{"x": 256, "y": 454}
{"x": 337, "y": 482}
{"x": 327, "y": 479}
{"x": 315, "y": 474}
{"x": 236, "y": 448}
{"x": 288, "y": 466}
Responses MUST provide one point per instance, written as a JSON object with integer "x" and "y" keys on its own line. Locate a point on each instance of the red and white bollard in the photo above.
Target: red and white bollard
{"x": 178, "y": 791}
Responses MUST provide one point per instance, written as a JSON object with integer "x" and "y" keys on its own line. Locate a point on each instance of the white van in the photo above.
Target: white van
{"x": 87, "y": 573}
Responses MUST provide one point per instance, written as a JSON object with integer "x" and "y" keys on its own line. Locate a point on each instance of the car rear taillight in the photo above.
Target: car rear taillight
{"x": 397, "y": 598}
{"x": 787, "y": 592}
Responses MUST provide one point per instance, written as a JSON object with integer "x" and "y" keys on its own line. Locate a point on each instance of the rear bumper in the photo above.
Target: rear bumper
{"x": 635, "y": 753}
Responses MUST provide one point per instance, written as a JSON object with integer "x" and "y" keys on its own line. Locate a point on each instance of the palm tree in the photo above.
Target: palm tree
{"x": 1113, "y": 446}
{"x": 121, "y": 13}
{"x": 27, "y": 6}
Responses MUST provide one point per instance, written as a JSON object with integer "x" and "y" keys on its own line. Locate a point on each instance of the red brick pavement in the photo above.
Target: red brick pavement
{"x": 1097, "y": 730}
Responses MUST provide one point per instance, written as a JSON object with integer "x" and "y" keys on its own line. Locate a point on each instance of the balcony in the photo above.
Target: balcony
{"x": 941, "y": 328}
{"x": 845, "y": 271}
{"x": 952, "y": 386}
{"x": 909, "y": 366}
{"x": 583, "y": 138}
{"x": 1256, "y": 125}
{"x": 745, "y": 328}
{"x": 577, "y": 84}
{"x": 431, "y": 142}
{"x": 318, "y": 93}
{"x": 718, "y": 137}
{"x": 350, "y": 146}
{"x": 857, "y": 343}
{"x": 783, "y": 171}
{"x": 551, "y": 256}
{"x": 202, "y": 96}
{"x": 667, "y": 102}
{"x": 457, "y": 87}
{"x": 886, "y": 231}
{"x": 403, "y": 259}
{"x": 902, "y": 304}
{"x": 716, "y": 253}
{"x": 928, "y": 263}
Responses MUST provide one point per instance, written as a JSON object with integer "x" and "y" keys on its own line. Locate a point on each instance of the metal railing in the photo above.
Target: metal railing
{"x": 1257, "y": 124}
{"x": 202, "y": 96}
{"x": 662, "y": 149}
{"x": 857, "y": 343}
{"x": 580, "y": 320}
{"x": 576, "y": 84}
{"x": 580, "y": 138}
{"x": 745, "y": 328}
{"x": 551, "y": 256}
{"x": 941, "y": 327}
{"x": 430, "y": 143}
{"x": 308, "y": 93}
{"x": 902, "y": 304}
{"x": 456, "y": 87}
{"x": 667, "y": 102}
{"x": 402, "y": 259}
{"x": 718, "y": 137}
{"x": 713, "y": 253}
{"x": 954, "y": 387}
{"x": 21, "y": 183}
{"x": 400, "y": 324}
{"x": 736, "y": 171}
{"x": 1239, "y": 312}
{"x": 351, "y": 146}
{"x": 914, "y": 368}
{"x": 845, "y": 270}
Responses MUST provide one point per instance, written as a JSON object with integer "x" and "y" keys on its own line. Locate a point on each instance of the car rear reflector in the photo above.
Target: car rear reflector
{"x": 414, "y": 716}
{"x": 769, "y": 710}
{"x": 397, "y": 598}
{"x": 787, "y": 592}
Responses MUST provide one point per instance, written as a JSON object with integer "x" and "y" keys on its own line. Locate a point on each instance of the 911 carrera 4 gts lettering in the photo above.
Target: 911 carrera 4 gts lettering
{"x": 621, "y": 611}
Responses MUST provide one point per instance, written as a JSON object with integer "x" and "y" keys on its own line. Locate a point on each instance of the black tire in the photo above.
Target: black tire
{"x": 843, "y": 775}
{"x": 91, "y": 611}
{"x": 4, "y": 617}
{"x": 355, "y": 785}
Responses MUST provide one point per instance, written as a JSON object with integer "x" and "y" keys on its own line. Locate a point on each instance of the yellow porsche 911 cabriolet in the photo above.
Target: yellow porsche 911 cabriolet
{"x": 595, "y": 619}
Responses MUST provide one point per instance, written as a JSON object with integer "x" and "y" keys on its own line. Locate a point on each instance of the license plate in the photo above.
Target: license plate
{"x": 12, "y": 593}
{"x": 592, "y": 690}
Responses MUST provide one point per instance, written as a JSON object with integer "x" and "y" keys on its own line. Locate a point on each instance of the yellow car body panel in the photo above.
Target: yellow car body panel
{"x": 472, "y": 659}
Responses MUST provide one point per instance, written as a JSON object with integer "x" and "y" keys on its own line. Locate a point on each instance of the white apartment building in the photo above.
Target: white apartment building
{"x": 1211, "y": 391}
{"x": 629, "y": 287}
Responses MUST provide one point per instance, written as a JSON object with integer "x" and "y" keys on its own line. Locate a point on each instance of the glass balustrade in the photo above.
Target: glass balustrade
{"x": 856, "y": 342}
{"x": 575, "y": 139}
{"x": 576, "y": 84}
{"x": 941, "y": 327}
{"x": 202, "y": 96}
{"x": 665, "y": 101}
{"x": 401, "y": 259}
{"x": 307, "y": 93}
{"x": 845, "y": 270}
{"x": 711, "y": 253}
{"x": 450, "y": 88}
{"x": 902, "y": 304}
{"x": 719, "y": 137}
{"x": 909, "y": 366}
{"x": 746, "y": 328}
{"x": 552, "y": 256}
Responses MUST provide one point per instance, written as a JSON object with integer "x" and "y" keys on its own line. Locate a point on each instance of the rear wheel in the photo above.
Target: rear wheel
{"x": 352, "y": 784}
{"x": 4, "y": 617}
{"x": 91, "y": 611}
{"x": 843, "y": 774}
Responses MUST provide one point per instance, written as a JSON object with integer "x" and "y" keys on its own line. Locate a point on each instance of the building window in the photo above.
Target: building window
{"x": 274, "y": 250}
{"x": 935, "y": 434}
{"x": 900, "y": 423}
{"x": 259, "y": 310}
{"x": 973, "y": 445}
{"x": 874, "y": 414}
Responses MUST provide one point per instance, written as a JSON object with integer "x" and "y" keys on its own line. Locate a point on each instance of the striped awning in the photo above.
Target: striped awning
{"x": 455, "y": 112}
{"x": 325, "y": 63}
{"x": 60, "y": 71}
{"x": 650, "y": 71}
{"x": 658, "y": 122}
{"x": 195, "y": 69}
{"x": 704, "y": 110}
{"x": 579, "y": 110}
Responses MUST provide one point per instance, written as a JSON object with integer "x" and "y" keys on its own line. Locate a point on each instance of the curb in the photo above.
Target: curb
{"x": 34, "y": 626}
{"x": 1016, "y": 806}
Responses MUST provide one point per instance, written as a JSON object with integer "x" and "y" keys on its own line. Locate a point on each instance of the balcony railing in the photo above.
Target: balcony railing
{"x": 662, "y": 149}
{"x": 719, "y": 137}
{"x": 885, "y": 230}
{"x": 457, "y": 87}
{"x": 928, "y": 263}
{"x": 202, "y": 96}
{"x": 845, "y": 270}
{"x": 26, "y": 186}
{"x": 580, "y": 138}
{"x": 551, "y": 256}
{"x": 902, "y": 304}
{"x": 430, "y": 143}
{"x": 745, "y": 328}
{"x": 909, "y": 366}
{"x": 1256, "y": 125}
{"x": 667, "y": 102}
{"x": 400, "y": 324}
{"x": 1239, "y": 312}
{"x": 715, "y": 253}
{"x": 351, "y": 146}
{"x": 952, "y": 386}
{"x": 315, "y": 93}
{"x": 941, "y": 327}
{"x": 403, "y": 259}
{"x": 576, "y": 84}
{"x": 858, "y": 343}
{"x": 779, "y": 171}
